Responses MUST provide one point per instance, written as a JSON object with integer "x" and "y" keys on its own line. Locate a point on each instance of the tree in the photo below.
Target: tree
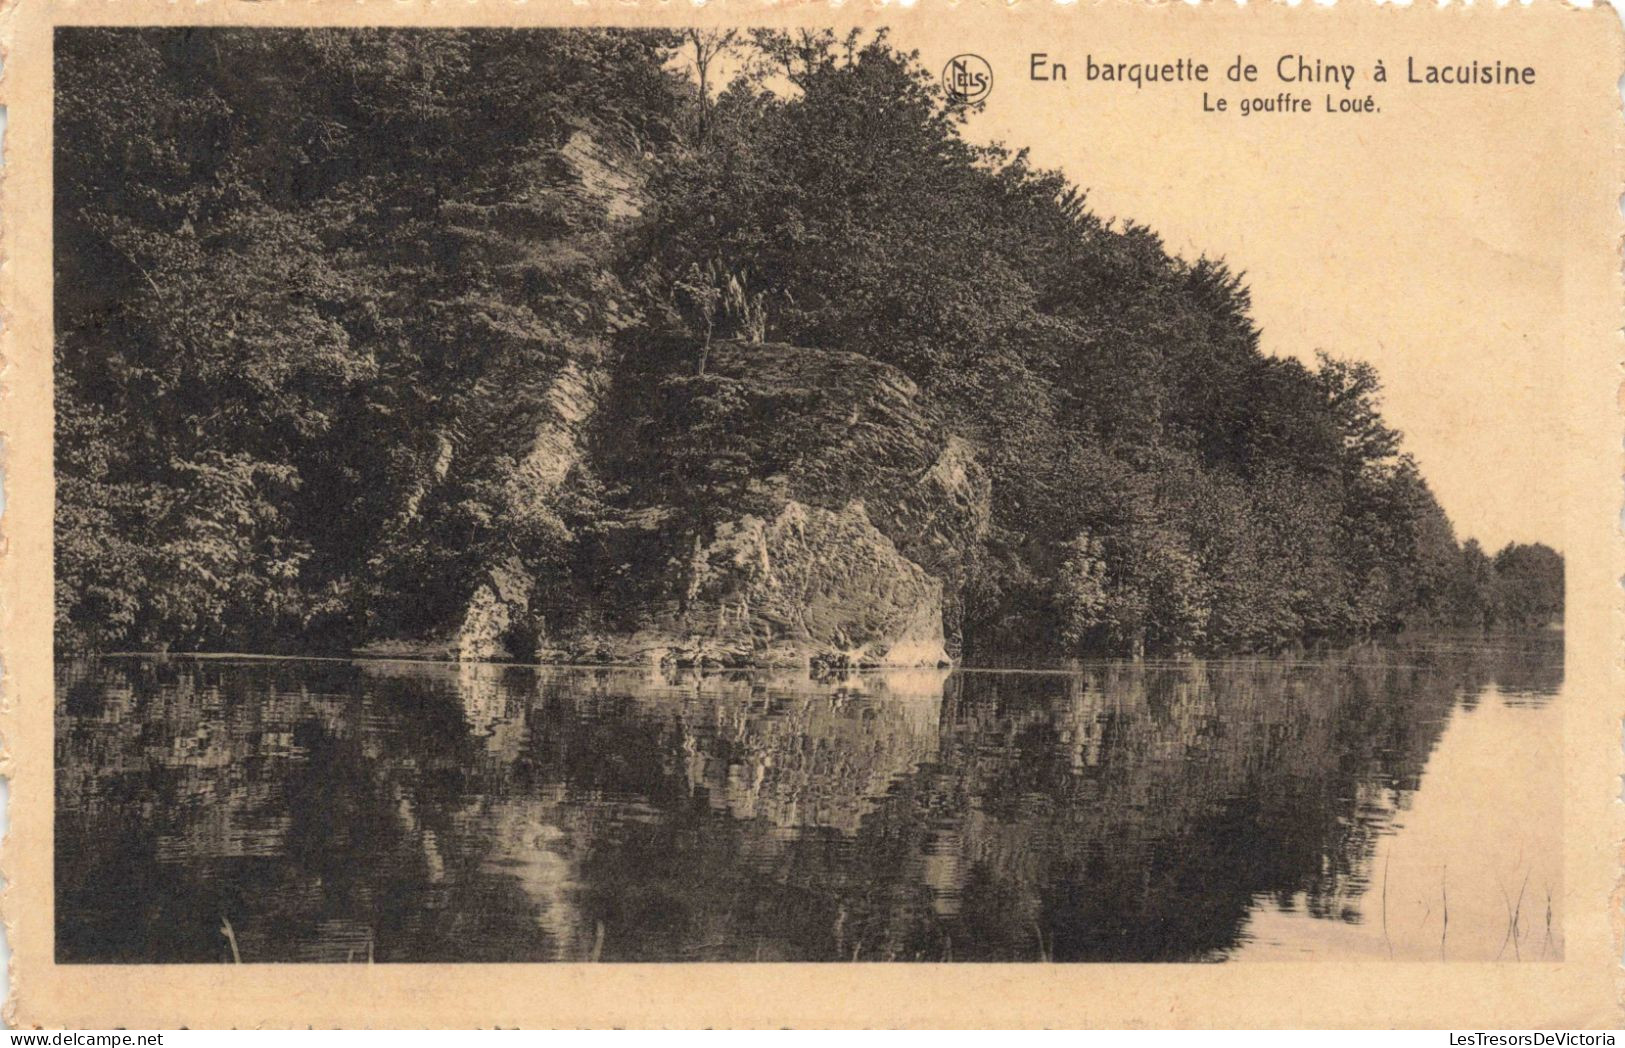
{"x": 708, "y": 45}
{"x": 1528, "y": 585}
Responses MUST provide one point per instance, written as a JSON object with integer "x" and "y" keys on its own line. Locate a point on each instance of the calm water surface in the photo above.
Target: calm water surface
{"x": 1397, "y": 801}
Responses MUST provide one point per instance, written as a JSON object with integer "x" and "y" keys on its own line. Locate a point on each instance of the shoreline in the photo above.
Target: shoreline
{"x": 1074, "y": 665}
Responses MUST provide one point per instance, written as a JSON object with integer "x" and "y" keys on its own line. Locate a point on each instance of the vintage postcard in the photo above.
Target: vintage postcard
{"x": 579, "y": 514}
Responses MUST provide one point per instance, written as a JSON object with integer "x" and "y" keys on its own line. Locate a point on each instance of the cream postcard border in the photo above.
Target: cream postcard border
{"x": 1583, "y": 991}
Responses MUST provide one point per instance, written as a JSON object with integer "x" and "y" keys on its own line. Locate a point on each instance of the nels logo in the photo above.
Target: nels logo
{"x": 967, "y": 79}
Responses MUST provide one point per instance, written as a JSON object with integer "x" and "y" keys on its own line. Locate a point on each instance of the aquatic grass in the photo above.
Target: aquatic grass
{"x": 1444, "y": 894}
{"x": 1386, "y": 940}
{"x": 1045, "y": 953}
{"x": 1545, "y": 946}
{"x": 231, "y": 938}
{"x": 1513, "y": 912}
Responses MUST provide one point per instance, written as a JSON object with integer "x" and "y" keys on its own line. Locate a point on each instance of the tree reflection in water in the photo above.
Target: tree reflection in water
{"x": 334, "y": 811}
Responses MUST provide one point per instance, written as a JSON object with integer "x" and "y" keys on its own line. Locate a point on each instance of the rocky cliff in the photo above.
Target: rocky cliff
{"x": 789, "y": 507}
{"x": 741, "y": 504}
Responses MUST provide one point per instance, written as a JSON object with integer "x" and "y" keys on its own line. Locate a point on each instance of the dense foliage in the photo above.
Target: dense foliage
{"x": 297, "y": 271}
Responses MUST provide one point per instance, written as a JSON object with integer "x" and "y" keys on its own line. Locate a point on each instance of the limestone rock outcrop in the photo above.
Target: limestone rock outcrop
{"x": 757, "y": 504}
{"x": 811, "y": 586}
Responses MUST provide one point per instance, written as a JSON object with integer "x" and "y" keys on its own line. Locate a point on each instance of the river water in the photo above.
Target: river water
{"x": 1391, "y": 801}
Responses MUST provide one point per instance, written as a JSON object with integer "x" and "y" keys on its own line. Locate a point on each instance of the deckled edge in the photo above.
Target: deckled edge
{"x": 1616, "y": 901}
{"x": 9, "y": 1009}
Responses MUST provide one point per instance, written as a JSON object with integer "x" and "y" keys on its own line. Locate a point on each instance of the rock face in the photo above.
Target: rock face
{"x": 501, "y": 600}
{"x": 592, "y": 187}
{"x": 817, "y": 582}
{"x": 605, "y": 187}
{"x": 498, "y": 605}
{"x": 791, "y": 506}
{"x": 783, "y": 505}
{"x": 810, "y": 586}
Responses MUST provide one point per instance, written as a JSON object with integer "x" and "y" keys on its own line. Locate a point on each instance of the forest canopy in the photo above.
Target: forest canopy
{"x": 309, "y": 284}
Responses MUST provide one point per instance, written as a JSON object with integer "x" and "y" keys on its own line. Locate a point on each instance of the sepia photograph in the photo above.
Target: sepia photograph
{"x": 788, "y": 491}
{"x": 731, "y": 516}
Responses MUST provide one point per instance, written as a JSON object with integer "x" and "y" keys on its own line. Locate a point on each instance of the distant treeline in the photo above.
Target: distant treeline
{"x": 285, "y": 257}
